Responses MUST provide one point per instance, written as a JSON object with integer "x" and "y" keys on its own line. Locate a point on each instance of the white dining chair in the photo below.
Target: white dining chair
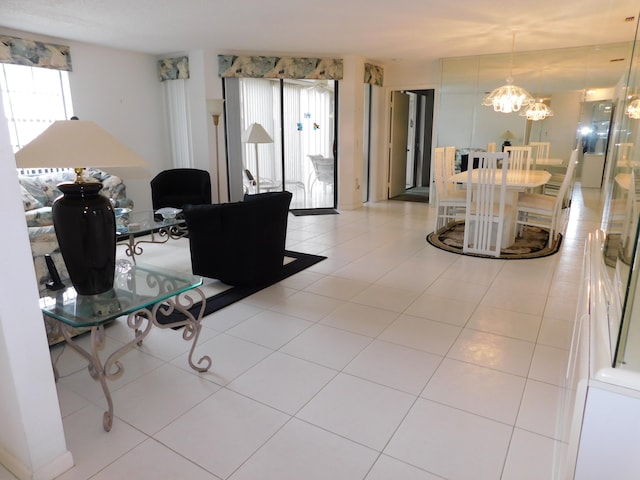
{"x": 539, "y": 151}
{"x": 450, "y": 202}
{"x": 486, "y": 208}
{"x": 545, "y": 211}
{"x": 519, "y": 157}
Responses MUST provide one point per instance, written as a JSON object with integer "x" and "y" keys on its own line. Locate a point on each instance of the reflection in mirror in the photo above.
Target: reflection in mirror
{"x": 620, "y": 220}
{"x": 563, "y": 78}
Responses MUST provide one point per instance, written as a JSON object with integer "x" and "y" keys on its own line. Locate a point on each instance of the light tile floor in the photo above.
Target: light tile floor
{"x": 389, "y": 360}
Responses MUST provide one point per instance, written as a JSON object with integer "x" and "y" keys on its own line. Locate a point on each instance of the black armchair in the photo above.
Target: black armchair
{"x": 180, "y": 186}
{"x": 240, "y": 243}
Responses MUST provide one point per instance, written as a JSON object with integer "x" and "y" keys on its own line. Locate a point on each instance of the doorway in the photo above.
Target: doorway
{"x": 410, "y": 145}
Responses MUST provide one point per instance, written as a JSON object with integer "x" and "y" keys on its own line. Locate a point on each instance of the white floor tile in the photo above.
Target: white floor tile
{"x": 476, "y": 389}
{"x": 362, "y": 319}
{"x": 359, "y": 410}
{"x": 386, "y": 298}
{"x": 530, "y": 457}
{"x": 337, "y": 287}
{"x": 307, "y": 306}
{"x": 93, "y": 448}
{"x": 328, "y": 346}
{"x": 396, "y": 366}
{"x": 441, "y": 309}
{"x": 387, "y": 468}
{"x": 153, "y": 461}
{"x": 451, "y": 443}
{"x": 154, "y": 400}
{"x": 222, "y": 432}
{"x": 283, "y": 382}
{"x": 270, "y": 329}
{"x": 540, "y": 409}
{"x": 230, "y": 357}
{"x": 459, "y": 289}
{"x": 420, "y": 333}
{"x": 494, "y": 351}
{"x": 549, "y": 365}
{"x": 303, "y": 451}
{"x": 512, "y": 324}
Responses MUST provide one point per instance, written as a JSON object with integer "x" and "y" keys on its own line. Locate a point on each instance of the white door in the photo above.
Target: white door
{"x": 398, "y": 143}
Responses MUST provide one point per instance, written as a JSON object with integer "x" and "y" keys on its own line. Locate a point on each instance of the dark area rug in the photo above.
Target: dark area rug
{"x": 532, "y": 243}
{"x": 301, "y": 212}
{"x": 224, "y": 299}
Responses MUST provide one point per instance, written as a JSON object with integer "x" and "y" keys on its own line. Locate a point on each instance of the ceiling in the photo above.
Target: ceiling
{"x": 377, "y": 30}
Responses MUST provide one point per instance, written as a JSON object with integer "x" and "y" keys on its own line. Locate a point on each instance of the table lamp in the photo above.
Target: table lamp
{"x": 256, "y": 134}
{"x": 83, "y": 219}
{"x": 507, "y": 136}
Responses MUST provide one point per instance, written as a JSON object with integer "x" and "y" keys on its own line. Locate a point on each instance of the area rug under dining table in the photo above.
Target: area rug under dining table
{"x": 532, "y": 243}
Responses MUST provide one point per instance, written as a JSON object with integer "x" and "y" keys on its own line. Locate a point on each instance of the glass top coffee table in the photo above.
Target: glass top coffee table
{"x": 133, "y": 225}
{"x": 147, "y": 296}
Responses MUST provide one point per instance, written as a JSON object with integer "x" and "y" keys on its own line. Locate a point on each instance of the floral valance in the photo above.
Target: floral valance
{"x": 373, "y": 74}
{"x": 19, "y": 51}
{"x": 279, "y": 67}
{"x": 173, "y": 68}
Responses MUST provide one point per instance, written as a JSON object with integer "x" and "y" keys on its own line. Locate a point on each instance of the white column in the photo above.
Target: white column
{"x": 32, "y": 443}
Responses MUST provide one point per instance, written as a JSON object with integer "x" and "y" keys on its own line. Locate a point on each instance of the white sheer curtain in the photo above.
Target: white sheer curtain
{"x": 179, "y": 125}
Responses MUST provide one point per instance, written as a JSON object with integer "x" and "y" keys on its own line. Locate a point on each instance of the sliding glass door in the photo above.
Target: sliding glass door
{"x": 299, "y": 118}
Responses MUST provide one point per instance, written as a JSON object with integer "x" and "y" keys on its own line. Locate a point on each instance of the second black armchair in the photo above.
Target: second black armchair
{"x": 179, "y": 187}
{"x": 240, "y": 243}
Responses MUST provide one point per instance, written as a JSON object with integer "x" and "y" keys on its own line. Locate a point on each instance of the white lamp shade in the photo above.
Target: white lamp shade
{"x": 256, "y": 134}
{"x": 75, "y": 144}
{"x": 214, "y": 106}
{"x": 507, "y": 135}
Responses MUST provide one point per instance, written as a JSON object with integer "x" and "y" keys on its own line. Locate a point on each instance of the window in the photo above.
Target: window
{"x": 299, "y": 115}
{"x": 33, "y": 99}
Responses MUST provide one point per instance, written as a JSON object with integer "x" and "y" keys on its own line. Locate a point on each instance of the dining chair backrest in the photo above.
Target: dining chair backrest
{"x": 566, "y": 183}
{"x": 485, "y": 210}
{"x": 540, "y": 150}
{"x": 450, "y": 160}
{"x": 491, "y": 147}
{"x": 440, "y": 175}
{"x": 519, "y": 157}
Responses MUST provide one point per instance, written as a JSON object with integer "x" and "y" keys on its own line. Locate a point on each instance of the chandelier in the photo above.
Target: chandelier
{"x": 537, "y": 111}
{"x": 508, "y": 98}
{"x": 633, "y": 110}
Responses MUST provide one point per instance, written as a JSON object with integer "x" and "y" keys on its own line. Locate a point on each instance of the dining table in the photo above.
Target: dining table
{"x": 517, "y": 181}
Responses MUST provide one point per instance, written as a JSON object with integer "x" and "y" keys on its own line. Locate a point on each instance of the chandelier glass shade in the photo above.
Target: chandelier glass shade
{"x": 537, "y": 111}
{"x": 633, "y": 110}
{"x": 508, "y": 98}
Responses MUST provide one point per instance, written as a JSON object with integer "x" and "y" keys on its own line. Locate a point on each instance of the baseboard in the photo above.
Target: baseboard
{"x": 50, "y": 471}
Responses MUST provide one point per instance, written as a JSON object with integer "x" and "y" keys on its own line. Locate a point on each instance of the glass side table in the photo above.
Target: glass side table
{"x": 131, "y": 225}
{"x": 148, "y": 296}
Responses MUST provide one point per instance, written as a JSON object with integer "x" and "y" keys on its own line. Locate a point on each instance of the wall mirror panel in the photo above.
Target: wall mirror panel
{"x": 563, "y": 78}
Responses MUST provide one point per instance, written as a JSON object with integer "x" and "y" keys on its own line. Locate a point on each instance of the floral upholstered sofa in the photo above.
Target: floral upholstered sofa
{"x": 38, "y": 193}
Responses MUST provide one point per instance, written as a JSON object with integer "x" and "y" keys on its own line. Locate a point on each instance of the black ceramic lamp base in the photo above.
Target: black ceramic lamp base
{"x": 86, "y": 230}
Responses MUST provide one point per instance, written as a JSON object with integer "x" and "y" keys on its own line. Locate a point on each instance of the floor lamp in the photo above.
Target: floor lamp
{"x": 214, "y": 107}
{"x": 256, "y": 134}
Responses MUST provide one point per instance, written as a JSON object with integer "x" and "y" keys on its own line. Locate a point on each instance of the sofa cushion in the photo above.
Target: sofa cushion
{"x": 29, "y": 202}
{"x": 34, "y": 187}
{"x": 39, "y": 217}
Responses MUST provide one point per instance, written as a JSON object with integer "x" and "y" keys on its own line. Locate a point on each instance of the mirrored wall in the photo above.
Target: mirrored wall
{"x": 564, "y": 79}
